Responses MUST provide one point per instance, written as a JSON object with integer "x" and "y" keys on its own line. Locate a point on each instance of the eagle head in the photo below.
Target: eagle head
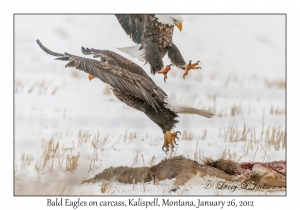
{"x": 170, "y": 20}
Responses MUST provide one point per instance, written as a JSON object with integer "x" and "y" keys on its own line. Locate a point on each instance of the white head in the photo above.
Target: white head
{"x": 170, "y": 20}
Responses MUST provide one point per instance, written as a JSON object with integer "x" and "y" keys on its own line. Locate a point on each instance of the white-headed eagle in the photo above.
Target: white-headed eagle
{"x": 153, "y": 35}
{"x": 131, "y": 85}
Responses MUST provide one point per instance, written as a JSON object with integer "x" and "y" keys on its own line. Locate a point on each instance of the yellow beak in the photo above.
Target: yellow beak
{"x": 179, "y": 26}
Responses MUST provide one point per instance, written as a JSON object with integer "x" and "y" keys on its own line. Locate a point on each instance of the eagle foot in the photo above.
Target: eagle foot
{"x": 91, "y": 77}
{"x": 190, "y": 66}
{"x": 169, "y": 141}
{"x": 165, "y": 71}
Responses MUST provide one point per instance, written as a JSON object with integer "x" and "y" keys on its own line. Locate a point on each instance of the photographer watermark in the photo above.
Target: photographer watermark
{"x": 246, "y": 185}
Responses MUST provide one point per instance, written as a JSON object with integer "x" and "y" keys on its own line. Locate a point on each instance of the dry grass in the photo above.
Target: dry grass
{"x": 234, "y": 79}
{"x": 187, "y": 135}
{"x": 230, "y": 79}
{"x": 19, "y": 86}
{"x": 54, "y": 91}
{"x": 213, "y": 96}
{"x": 72, "y": 162}
{"x": 275, "y": 83}
{"x": 277, "y": 111}
{"x": 232, "y": 110}
{"x": 41, "y": 87}
{"x": 143, "y": 160}
{"x": 84, "y": 137}
{"x": 135, "y": 159}
{"x": 155, "y": 181}
{"x": 236, "y": 110}
{"x": 56, "y": 157}
{"x": 271, "y": 138}
{"x": 275, "y": 137}
{"x": 27, "y": 160}
{"x": 204, "y": 134}
{"x": 144, "y": 185}
{"x": 94, "y": 164}
{"x": 133, "y": 184}
{"x": 105, "y": 186}
{"x": 152, "y": 161}
{"x": 197, "y": 154}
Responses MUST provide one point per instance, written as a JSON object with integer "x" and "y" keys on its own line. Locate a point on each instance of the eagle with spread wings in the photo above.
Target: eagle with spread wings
{"x": 131, "y": 85}
{"x": 153, "y": 36}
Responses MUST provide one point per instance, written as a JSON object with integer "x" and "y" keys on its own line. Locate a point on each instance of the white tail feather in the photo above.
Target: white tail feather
{"x": 134, "y": 51}
{"x": 183, "y": 109}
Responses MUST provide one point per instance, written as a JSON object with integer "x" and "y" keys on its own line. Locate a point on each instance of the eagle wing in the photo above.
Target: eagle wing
{"x": 101, "y": 54}
{"x": 115, "y": 59}
{"x": 115, "y": 76}
{"x": 118, "y": 60}
{"x": 133, "y": 25}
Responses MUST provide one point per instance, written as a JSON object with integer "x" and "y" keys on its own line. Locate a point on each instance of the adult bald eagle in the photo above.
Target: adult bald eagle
{"x": 131, "y": 85}
{"x": 153, "y": 34}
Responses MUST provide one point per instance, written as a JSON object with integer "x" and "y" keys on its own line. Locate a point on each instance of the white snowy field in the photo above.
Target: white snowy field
{"x": 68, "y": 128}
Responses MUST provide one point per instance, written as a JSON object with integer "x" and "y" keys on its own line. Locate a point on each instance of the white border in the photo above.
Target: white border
{"x": 137, "y": 6}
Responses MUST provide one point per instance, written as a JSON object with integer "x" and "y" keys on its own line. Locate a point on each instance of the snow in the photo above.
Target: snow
{"x": 239, "y": 55}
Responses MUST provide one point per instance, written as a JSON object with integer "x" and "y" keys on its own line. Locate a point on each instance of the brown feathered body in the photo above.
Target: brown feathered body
{"x": 158, "y": 33}
{"x": 129, "y": 83}
{"x": 155, "y": 39}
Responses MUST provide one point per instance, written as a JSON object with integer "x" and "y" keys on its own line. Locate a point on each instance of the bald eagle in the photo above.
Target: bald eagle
{"x": 153, "y": 34}
{"x": 131, "y": 85}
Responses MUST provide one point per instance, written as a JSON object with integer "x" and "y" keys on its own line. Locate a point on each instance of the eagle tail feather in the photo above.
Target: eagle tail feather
{"x": 201, "y": 112}
{"x": 183, "y": 109}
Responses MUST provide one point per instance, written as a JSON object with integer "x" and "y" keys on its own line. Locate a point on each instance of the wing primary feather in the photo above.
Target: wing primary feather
{"x": 86, "y": 51}
{"x": 148, "y": 98}
{"x": 133, "y": 26}
{"x": 115, "y": 76}
{"x": 70, "y": 63}
{"x": 77, "y": 64}
{"x": 47, "y": 50}
{"x": 63, "y": 58}
{"x": 109, "y": 79}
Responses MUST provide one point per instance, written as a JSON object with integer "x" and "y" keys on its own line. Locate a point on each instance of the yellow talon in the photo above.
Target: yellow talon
{"x": 190, "y": 66}
{"x": 165, "y": 71}
{"x": 169, "y": 140}
{"x": 91, "y": 77}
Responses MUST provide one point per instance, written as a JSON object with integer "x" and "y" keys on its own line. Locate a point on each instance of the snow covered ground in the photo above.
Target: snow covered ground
{"x": 84, "y": 129}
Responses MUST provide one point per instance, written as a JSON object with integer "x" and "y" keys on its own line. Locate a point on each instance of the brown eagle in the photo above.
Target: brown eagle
{"x": 131, "y": 85}
{"x": 153, "y": 34}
